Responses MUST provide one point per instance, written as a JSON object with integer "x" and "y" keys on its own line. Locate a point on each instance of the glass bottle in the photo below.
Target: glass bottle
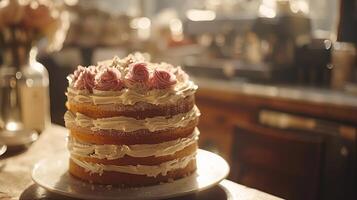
{"x": 34, "y": 94}
{"x": 24, "y": 87}
{"x": 13, "y": 56}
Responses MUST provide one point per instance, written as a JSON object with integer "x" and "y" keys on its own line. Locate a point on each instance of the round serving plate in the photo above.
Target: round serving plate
{"x": 51, "y": 174}
{"x": 18, "y": 138}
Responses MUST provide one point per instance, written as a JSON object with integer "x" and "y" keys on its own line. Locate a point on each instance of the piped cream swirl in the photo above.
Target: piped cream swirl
{"x": 148, "y": 170}
{"x": 130, "y": 97}
{"x": 112, "y": 152}
{"x": 129, "y": 124}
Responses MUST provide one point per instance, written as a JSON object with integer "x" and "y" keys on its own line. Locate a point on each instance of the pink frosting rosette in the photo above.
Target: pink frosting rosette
{"x": 138, "y": 74}
{"x": 78, "y": 71}
{"x": 162, "y": 79}
{"x": 108, "y": 80}
{"x": 73, "y": 77}
{"x": 85, "y": 80}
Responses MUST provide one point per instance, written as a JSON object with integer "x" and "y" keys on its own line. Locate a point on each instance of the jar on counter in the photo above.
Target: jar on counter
{"x": 343, "y": 62}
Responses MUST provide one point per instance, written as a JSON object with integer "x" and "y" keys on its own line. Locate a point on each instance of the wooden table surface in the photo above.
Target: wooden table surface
{"x": 16, "y": 183}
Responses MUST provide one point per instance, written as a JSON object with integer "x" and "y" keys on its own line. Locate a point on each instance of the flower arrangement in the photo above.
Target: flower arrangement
{"x": 27, "y": 21}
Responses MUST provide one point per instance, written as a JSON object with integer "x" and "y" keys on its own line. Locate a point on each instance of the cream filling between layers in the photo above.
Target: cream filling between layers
{"x": 130, "y": 124}
{"x": 112, "y": 152}
{"x": 130, "y": 96}
{"x": 148, "y": 170}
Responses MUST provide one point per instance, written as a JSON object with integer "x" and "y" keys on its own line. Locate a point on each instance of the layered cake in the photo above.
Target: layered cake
{"x": 131, "y": 122}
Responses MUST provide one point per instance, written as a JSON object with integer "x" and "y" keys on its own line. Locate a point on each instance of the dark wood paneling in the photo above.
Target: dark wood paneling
{"x": 294, "y": 164}
{"x": 277, "y": 161}
{"x": 345, "y": 114}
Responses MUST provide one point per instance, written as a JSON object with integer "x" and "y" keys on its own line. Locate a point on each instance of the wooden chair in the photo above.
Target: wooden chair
{"x": 283, "y": 163}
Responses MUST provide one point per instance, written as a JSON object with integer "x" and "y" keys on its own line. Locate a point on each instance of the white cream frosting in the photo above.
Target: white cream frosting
{"x": 130, "y": 124}
{"x": 112, "y": 152}
{"x": 148, "y": 170}
{"x": 130, "y": 97}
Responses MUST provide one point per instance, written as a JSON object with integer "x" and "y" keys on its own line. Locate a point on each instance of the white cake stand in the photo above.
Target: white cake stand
{"x": 51, "y": 174}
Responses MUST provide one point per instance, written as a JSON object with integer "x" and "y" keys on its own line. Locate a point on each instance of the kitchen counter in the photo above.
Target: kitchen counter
{"x": 319, "y": 103}
{"x": 16, "y": 183}
{"x": 297, "y": 93}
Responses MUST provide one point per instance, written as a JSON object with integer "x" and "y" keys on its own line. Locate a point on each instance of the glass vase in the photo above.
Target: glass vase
{"x": 24, "y": 90}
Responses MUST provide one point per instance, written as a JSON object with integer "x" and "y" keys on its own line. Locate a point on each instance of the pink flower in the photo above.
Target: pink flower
{"x": 162, "y": 79}
{"x": 138, "y": 74}
{"x": 109, "y": 79}
{"x": 85, "y": 80}
{"x": 78, "y": 71}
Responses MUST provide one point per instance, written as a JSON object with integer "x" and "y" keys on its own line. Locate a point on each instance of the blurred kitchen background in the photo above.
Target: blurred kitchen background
{"x": 277, "y": 80}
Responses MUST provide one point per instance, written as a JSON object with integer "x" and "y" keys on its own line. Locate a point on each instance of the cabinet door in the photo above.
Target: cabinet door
{"x": 283, "y": 163}
{"x": 216, "y": 131}
{"x": 217, "y": 125}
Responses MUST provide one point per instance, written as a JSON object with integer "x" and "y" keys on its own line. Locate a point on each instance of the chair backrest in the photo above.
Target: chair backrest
{"x": 283, "y": 163}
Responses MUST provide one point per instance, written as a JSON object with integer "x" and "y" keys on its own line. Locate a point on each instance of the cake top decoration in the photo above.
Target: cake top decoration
{"x": 138, "y": 73}
{"x": 162, "y": 79}
{"x": 131, "y": 72}
{"x": 108, "y": 79}
{"x": 85, "y": 79}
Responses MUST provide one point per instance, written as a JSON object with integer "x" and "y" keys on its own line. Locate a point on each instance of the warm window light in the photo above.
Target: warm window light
{"x": 71, "y": 2}
{"x": 4, "y": 3}
{"x": 176, "y": 26}
{"x": 143, "y": 25}
{"x": 140, "y": 23}
{"x": 301, "y": 6}
{"x": 266, "y": 12}
{"x": 200, "y": 15}
{"x": 12, "y": 126}
{"x": 176, "y": 29}
{"x": 267, "y": 8}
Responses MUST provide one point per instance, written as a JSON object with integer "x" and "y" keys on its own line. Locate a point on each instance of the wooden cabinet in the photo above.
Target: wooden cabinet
{"x": 285, "y": 163}
{"x": 217, "y": 124}
{"x": 309, "y": 156}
